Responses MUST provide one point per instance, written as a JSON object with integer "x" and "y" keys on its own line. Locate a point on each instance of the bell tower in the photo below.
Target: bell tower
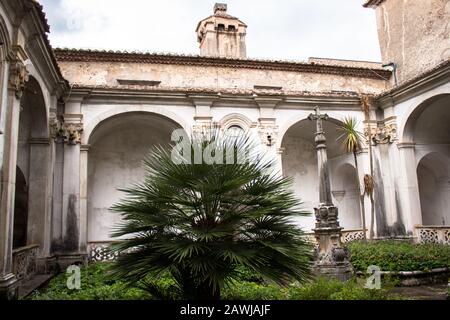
{"x": 222, "y": 35}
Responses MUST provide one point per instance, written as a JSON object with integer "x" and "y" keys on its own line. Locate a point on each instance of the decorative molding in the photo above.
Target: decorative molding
{"x": 72, "y": 133}
{"x": 18, "y": 76}
{"x": 73, "y": 128}
{"x": 381, "y": 132}
{"x": 268, "y": 131}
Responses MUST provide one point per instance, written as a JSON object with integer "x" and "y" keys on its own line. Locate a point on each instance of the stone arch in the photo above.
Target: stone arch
{"x": 236, "y": 119}
{"x": 91, "y": 126}
{"x": 406, "y": 132}
{"x": 33, "y": 158}
{"x": 433, "y": 175}
{"x": 346, "y": 196}
{"x": 117, "y": 147}
{"x": 299, "y": 160}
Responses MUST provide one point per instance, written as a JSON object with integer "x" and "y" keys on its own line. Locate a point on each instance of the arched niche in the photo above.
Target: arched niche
{"x": 118, "y": 146}
{"x": 433, "y": 175}
{"x": 299, "y": 161}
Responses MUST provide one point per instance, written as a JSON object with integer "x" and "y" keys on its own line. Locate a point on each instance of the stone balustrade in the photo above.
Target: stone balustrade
{"x": 24, "y": 262}
{"x": 432, "y": 234}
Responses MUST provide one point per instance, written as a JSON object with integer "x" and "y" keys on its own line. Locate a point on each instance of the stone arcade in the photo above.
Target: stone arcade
{"x": 75, "y": 125}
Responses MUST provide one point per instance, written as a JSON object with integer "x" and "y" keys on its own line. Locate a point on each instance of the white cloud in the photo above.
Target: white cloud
{"x": 287, "y": 29}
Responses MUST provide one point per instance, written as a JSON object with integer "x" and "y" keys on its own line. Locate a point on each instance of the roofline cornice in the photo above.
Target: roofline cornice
{"x": 73, "y": 55}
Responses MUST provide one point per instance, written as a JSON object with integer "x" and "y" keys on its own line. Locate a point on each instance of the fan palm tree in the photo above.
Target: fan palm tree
{"x": 200, "y": 222}
{"x": 352, "y": 140}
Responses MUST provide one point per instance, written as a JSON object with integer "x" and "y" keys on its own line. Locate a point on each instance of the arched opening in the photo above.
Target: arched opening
{"x": 33, "y": 160}
{"x": 118, "y": 146}
{"x": 345, "y": 193}
{"x": 434, "y": 188}
{"x": 428, "y": 127}
{"x": 299, "y": 161}
{"x": 20, "y": 211}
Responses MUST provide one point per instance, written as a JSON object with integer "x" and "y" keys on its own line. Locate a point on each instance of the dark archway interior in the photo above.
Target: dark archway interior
{"x": 20, "y": 211}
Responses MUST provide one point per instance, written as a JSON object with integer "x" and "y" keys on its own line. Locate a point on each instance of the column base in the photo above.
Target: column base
{"x": 64, "y": 261}
{"x": 342, "y": 272}
{"x": 9, "y": 287}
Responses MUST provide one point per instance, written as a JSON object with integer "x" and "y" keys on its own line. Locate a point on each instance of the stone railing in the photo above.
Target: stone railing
{"x": 24, "y": 261}
{"x": 352, "y": 235}
{"x": 432, "y": 234}
{"x": 98, "y": 253}
{"x": 347, "y": 235}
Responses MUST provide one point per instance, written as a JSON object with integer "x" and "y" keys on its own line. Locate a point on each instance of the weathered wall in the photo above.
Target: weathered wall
{"x": 118, "y": 148}
{"x": 213, "y": 78}
{"x": 414, "y": 34}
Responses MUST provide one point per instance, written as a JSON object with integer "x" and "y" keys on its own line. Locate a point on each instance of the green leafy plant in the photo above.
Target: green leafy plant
{"x": 201, "y": 222}
{"x": 399, "y": 256}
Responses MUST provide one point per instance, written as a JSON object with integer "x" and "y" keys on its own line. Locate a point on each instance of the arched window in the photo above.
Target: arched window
{"x": 235, "y": 131}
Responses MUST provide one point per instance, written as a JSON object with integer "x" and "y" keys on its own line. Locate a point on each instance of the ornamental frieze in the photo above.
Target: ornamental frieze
{"x": 382, "y": 132}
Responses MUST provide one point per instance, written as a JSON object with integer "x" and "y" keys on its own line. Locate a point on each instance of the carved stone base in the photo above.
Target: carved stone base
{"x": 342, "y": 272}
{"x": 332, "y": 259}
{"x": 47, "y": 265}
{"x": 64, "y": 261}
{"x": 9, "y": 288}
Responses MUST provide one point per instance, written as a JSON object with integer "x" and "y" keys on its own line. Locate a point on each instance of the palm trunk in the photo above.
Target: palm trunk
{"x": 361, "y": 196}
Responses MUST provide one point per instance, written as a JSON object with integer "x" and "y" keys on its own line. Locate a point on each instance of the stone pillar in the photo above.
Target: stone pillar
{"x": 203, "y": 118}
{"x": 268, "y": 131}
{"x": 444, "y": 190}
{"x": 39, "y": 213}
{"x": 16, "y": 83}
{"x": 71, "y": 201}
{"x": 83, "y": 197}
{"x": 408, "y": 186}
{"x": 332, "y": 258}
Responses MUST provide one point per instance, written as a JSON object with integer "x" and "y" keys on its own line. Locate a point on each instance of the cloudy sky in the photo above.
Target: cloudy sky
{"x": 278, "y": 29}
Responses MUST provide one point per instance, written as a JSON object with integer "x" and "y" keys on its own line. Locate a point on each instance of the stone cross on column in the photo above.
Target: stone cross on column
{"x": 332, "y": 258}
{"x": 324, "y": 176}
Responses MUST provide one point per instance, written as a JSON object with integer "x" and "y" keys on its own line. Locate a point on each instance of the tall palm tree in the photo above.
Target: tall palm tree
{"x": 199, "y": 222}
{"x": 352, "y": 140}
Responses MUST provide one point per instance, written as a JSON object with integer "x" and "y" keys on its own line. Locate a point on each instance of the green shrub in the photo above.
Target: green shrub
{"x": 94, "y": 286}
{"x": 398, "y": 256}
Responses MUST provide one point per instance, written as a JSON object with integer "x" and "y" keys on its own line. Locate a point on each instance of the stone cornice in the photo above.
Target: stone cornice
{"x": 415, "y": 86}
{"x": 73, "y": 55}
{"x": 180, "y": 96}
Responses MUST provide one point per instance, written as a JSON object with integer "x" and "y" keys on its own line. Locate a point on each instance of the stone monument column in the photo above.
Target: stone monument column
{"x": 332, "y": 258}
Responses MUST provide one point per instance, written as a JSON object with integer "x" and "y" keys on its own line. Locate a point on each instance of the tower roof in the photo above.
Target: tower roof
{"x": 220, "y": 11}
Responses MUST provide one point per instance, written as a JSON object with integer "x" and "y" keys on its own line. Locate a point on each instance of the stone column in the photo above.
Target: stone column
{"x": 444, "y": 190}
{"x": 408, "y": 186}
{"x": 16, "y": 83}
{"x": 83, "y": 197}
{"x": 71, "y": 220}
{"x": 39, "y": 217}
{"x": 332, "y": 258}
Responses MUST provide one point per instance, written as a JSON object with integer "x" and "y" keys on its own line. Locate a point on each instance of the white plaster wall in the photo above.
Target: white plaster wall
{"x": 118, "y": 147}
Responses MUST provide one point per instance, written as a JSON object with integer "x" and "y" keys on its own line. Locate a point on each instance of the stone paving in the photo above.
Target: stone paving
{"x": 426, "y": 292}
